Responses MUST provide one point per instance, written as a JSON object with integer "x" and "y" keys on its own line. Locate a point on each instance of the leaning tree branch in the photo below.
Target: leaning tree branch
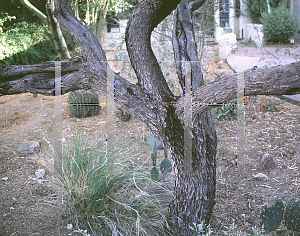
{"x": 184, "y": 45}
{"x": 278, "y": 80}
{"x": 137, "y": 38}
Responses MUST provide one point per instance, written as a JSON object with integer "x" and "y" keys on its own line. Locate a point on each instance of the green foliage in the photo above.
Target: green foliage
{"x": 166, "y": 152}
{"x": 153, "y": 157}
{"x": 272, "y": 216}
{"x": 292, "y": 215}
{"x": 255, "y": 8}
{"x": 41, "y": 52}
{"x": 4, "y": 18}
{"x": 20, "y": 37}
{"x": 279, "y": 26}
{"x": 151, "y": 141}
{"x": 270, "y": 106}
{"x": 165, "y": 166}
{"x": 200, "y": 229}
{"x": 154, "y": 173}
{"x": 226, "y": 113}
{"x": 27, "y": 43}
{"x": 83, "y": 104}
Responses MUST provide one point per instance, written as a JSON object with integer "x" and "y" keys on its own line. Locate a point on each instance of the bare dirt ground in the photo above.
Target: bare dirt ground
{"x": 30, "y": 207}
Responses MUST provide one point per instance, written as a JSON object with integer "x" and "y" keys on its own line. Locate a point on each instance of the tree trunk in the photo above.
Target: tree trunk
{"x": 152, "y": 102}
{"x": 195, "y": 184}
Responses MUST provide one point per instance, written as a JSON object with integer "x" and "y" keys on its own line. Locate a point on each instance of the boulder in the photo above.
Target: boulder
{"x": 227, "y": 43}
{"x": 29, "y": 147}
{"x": 268, "y": 161}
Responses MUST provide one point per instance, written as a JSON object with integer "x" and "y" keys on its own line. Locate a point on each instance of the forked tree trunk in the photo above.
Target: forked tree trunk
{"x": 151, "y": 100}
{"x": 196, "y": 177}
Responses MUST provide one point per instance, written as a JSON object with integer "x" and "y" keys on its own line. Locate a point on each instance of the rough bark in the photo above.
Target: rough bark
{"x": 152, "y": 102}
{"x": 278, "y": 80}
{"x": 196, "y": 188}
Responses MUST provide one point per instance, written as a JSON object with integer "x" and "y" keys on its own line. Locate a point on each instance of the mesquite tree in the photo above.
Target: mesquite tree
{"x": 151, "y": 101}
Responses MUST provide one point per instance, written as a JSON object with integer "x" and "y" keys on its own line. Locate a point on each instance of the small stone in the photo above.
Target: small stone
{"x": 268, "y": 161}
{"x": 261, "y": 176}
{"x": 5, "y": 178}
{"x": 40, "y": 173}
{"x": 69, "y": 226}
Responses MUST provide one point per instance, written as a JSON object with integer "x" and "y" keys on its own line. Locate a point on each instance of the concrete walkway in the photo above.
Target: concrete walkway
{"x": 245, "y": 57}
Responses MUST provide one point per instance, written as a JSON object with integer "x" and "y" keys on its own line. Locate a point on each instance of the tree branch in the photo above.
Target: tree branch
{"x": 276, "y": 80}
{"x": 143, "y": 60}
{"x": 195, "y": 4}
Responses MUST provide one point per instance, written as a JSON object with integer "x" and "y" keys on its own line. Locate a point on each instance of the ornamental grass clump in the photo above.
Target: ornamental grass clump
{"x": 102, "y": 203}
{"x": 279, "y": 26}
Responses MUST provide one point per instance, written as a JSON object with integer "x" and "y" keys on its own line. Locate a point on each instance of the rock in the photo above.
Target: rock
{"x": 261, "y": 177}
{"x": 40, "y": 173}
{"x": 29, "y": 147}
{"x": 159, "y": 144}
{"x": 227, "y": 43}
{"x": 268, "y": 161}
{"x": 121, "y": 114}
{"x": 245, "y": 41}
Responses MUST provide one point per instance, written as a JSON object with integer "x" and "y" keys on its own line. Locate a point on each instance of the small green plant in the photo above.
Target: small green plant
{"x": 272, "y": 216}
{"x": 200, "y": 229}
{"x": 165, "y": 165}
{"x": 171, "y": 85}
{"x": 270, "y": 106}
{"x": 226, "y": 112}
{"x": 279, "y": 26}
{"x": 83, "y": 104}
{"x": 152, "y": 143}
{"x": 82, "y": 232}
{"x": 218, "y": 75}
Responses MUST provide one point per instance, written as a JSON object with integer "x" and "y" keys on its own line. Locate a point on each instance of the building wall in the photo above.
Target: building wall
{"x": 294, "y": 6}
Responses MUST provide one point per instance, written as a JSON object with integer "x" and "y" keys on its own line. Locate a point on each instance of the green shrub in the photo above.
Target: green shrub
{"x": 26, "y": 43}
{"x": 255, "y": 8}
{"x": 279, "y": 26}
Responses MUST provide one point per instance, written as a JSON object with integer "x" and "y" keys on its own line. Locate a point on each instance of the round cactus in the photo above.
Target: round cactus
{"x": 84, "y": 104}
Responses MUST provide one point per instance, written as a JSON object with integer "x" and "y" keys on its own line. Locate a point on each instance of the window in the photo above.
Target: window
{"x": 112, "y": 24}
{"x": 224, "y": 13}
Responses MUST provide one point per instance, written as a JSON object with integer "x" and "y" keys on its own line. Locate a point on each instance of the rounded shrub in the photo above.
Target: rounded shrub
{"x": 279, "y": 26}
{"x": 255, "y": 8}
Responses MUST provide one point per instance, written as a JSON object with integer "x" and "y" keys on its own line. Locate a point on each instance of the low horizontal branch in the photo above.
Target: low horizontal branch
{"x": 11, "y": 72}
{"x": 278, "y": 80}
